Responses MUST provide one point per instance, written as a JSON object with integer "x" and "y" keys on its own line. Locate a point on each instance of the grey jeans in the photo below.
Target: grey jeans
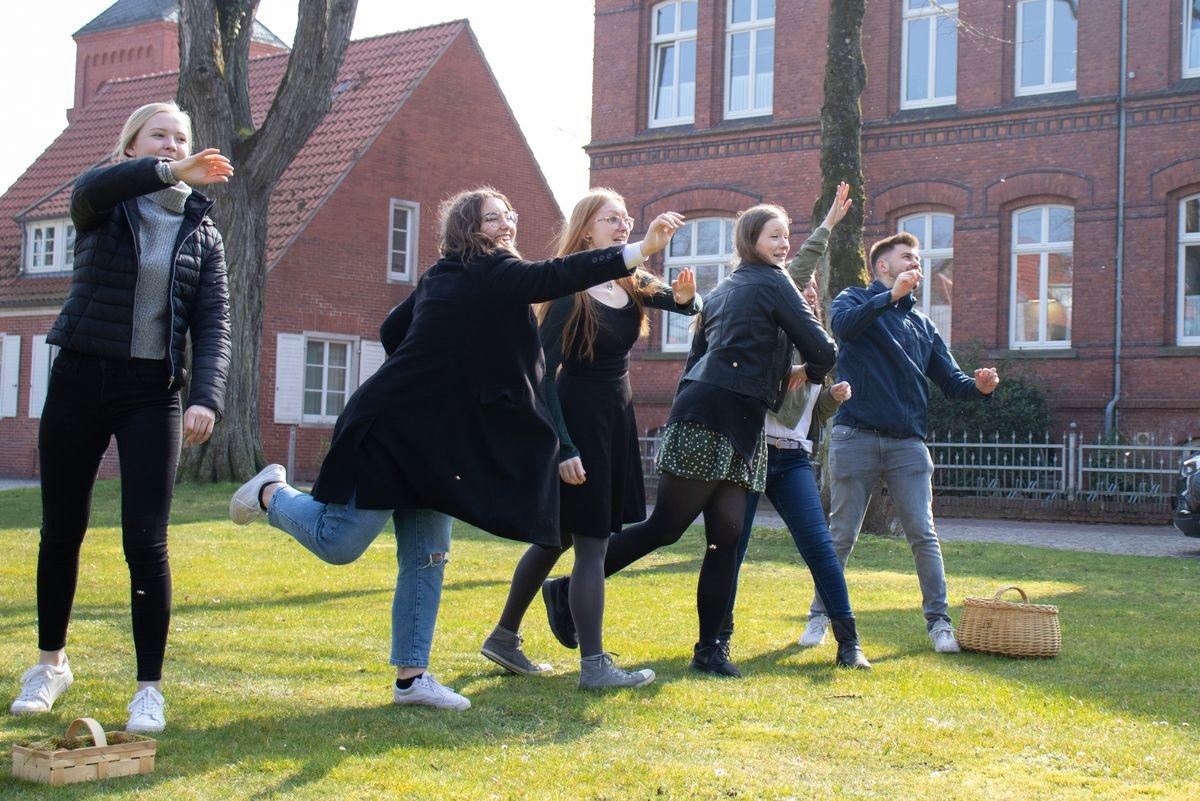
{"x": 857, "y": 459}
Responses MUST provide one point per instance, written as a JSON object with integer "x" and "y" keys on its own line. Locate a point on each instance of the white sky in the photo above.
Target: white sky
{"x": 539, "y": 50}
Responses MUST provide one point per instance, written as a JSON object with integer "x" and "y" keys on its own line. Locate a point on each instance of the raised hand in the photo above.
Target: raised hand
{"x": 841, "y": 204}
{"x": 203, "y": 168}
{"x": 905, "y": 282}
{"x": 684, "y": 286}
{"x": 659, "y": 234}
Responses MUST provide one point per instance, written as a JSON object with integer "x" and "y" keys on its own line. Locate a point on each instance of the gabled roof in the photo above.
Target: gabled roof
{"x": 127, "y": 13}
{"x": 376, "y": 78}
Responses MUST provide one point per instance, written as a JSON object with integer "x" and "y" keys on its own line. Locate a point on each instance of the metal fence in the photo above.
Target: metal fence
{"x": 1040, "y": 469}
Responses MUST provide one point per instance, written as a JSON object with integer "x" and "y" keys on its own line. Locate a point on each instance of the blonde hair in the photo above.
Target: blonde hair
{"x": 579, "y": 331}
{"x": 138, "y": 119}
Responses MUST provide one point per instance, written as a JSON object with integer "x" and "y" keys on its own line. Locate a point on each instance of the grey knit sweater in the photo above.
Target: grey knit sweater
{"x": 161, "y": 216}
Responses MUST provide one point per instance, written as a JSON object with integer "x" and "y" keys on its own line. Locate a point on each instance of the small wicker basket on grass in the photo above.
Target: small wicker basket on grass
{"x": 1004, "y": 628}
{"x": 96, "y": 755}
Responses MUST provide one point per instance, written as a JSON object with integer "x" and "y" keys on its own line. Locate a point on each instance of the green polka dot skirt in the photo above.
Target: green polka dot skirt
{"x": 692, "y": 450}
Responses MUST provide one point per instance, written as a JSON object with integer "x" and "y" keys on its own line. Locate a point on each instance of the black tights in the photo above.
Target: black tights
{"x": 586, "y": 589}
{"x": 679, "y": 501}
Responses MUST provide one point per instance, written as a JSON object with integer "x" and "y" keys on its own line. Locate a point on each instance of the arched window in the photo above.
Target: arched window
{"x": 935, "y": 232}
{"x": 1188, "y": 312}
{"x": 1042, "y": 276}
{"x": 705, "y": 245}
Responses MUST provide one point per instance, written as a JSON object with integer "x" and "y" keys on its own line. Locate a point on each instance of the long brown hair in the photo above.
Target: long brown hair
{"x": 462, "y": 234}
{"x": 579, "y": 333}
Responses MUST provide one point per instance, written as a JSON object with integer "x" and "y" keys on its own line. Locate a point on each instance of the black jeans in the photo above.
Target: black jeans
{"x": 88, "y": 401}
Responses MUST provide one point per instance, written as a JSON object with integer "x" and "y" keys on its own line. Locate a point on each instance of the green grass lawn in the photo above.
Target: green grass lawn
{"x": 278, "y": 686}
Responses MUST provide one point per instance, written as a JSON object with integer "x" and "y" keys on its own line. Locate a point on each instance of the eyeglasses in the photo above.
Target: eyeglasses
{"x": 493, "y": 218}
{"x": 614, "y": 221}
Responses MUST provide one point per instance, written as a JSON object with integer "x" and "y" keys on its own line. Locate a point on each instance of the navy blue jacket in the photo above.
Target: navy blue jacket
{"x": 886, "y": 351}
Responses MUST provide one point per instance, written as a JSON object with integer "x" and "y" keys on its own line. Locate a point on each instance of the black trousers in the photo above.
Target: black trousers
{"x": 89, "y": 400}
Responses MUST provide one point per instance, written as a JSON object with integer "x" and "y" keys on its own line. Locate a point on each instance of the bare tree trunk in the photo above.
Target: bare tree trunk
{"x": 214, "y": 56}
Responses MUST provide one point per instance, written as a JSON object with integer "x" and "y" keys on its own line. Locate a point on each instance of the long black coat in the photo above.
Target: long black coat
{"x": 453, "y": 420}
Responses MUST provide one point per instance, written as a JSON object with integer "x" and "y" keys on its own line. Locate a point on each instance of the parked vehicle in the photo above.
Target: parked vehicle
{"x": 1187, "y": 497}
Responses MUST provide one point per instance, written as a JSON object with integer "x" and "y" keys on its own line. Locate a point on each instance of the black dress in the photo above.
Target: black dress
{"x": 592, "y": 405}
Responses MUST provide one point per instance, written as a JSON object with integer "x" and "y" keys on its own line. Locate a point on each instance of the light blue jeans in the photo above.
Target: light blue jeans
{"x": 857, "y": 460}
{"x": 340, "y": 533}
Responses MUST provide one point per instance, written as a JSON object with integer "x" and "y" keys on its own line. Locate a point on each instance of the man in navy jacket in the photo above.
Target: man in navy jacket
{"x": 887, "y": 350}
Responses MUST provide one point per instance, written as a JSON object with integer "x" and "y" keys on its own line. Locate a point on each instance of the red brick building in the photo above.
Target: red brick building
{"x": 1043, "y": 151}
{"x": 352, "y": 223}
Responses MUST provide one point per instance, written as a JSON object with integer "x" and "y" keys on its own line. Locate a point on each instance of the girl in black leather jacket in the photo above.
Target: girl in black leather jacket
{"x": 149, "y": 270}
{"x": 713, "y": 452}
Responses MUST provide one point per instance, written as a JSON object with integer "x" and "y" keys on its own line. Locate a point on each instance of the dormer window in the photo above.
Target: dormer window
{"x": 49, "y": 246}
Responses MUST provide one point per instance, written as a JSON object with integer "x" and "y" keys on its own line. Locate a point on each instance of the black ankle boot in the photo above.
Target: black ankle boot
{"x": 726, "y": 634}
{"x": 711, "y": 658}
{"x": 849, "y": 654}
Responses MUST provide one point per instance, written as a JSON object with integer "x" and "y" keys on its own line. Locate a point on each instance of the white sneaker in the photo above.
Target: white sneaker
{"x": 426, "y": 691}
{"x": 40, "y": 688}
{"x": 814, "y": 631}
{"x": 146, "y": 712}
{"x": 944, "y": 641}
{"x": 244, "y": 507}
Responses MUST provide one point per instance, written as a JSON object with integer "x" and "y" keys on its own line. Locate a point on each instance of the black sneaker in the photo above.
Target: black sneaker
{"x": 558, "y": 611}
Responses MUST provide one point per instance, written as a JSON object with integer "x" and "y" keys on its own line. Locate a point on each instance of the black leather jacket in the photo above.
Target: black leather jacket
{"x": 97, "y": 316}
{"x": 749, "y": 325}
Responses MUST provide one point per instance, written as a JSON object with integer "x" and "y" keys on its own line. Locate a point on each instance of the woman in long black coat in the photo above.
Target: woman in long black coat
{"x": 451, "y": 425}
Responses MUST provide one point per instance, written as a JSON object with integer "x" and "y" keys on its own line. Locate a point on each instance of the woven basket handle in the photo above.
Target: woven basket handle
{"x": 92, "y": 726}
{"x": 1002, "y": 590}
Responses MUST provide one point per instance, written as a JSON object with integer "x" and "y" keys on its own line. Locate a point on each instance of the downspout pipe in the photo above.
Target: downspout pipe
{"x": 1110, "y": 411}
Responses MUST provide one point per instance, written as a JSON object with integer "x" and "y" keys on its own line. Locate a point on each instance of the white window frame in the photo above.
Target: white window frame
{"x": 682, "y": 253}
{"x": 1187, "y": 239}
{"x": 1046, "y": 41}
{"x": 62, "y": 233}
{"x": 364, "y": 358}
{"x": 10, "y": 373}
{"x": 349, "y": 381}
{"x": 42, "y": 358}
{"x": 1191, "y": 38}
{"x": 683, "y": 108}
{"x": 754, "y": 28}
{"x": 1043, "y": 249}
{"x": 407, "y": 271}
{"x": 921, "y": 226}
{"x": 930, "y": 13}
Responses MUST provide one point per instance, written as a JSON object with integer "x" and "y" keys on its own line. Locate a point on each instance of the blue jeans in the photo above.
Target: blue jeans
{"x": 857, "y": 459}
{"x": 340, "y": 533}
{"x": 792, "y": 488}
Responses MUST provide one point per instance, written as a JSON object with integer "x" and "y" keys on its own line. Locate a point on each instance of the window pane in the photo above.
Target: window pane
{"x": 1191, "y": 291}
{"x": 664, "y": 83}
{"x": 766, "y": 9}
{"x": 69, "y": 247}
{"x": 739, "y": 11}
{"x": 708, "y": 238}
{"x": 943, "y": 231}
{"x": 1191, "y": 212}
{"x": 739, "y": 72}
{"x": 914, "y": 226}
{"x": 1032, "y": 42}
{"x": 312, "y": 401}
{"x": 1065, "y": 29}
{"x": 940, "y": 286}
{"x": 681, "y": 243}
{"x": 764, "y": 67}
{"x": 338, "y": 356}
{"x": 1029, "y": 227}
{"x": 1192, "y": 31}
{"x": 917, "y": 73}
{"x": 1027, "y": 298}
{"x": 914, "y": 5}
{"x": 687, "y": 10}
{"x": 1062, "y": 224}
{"x": 946, "y": 79}
{"x": 687, "y": 79}
{"x": 664, "y": 21}
{"x": 1058, "y": 290}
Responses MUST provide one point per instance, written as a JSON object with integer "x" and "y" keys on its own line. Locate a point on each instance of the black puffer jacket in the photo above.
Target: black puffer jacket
{"x": 750, "y": 323}
{"x": 97, "y": 317}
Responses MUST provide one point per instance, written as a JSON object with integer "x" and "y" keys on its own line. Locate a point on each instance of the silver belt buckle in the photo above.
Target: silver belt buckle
{"x": 783, "y": 444}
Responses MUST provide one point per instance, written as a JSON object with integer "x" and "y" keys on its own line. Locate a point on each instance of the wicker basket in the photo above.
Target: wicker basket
{"x": 992, "y": 626}
{"x": 129, "y": 755}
